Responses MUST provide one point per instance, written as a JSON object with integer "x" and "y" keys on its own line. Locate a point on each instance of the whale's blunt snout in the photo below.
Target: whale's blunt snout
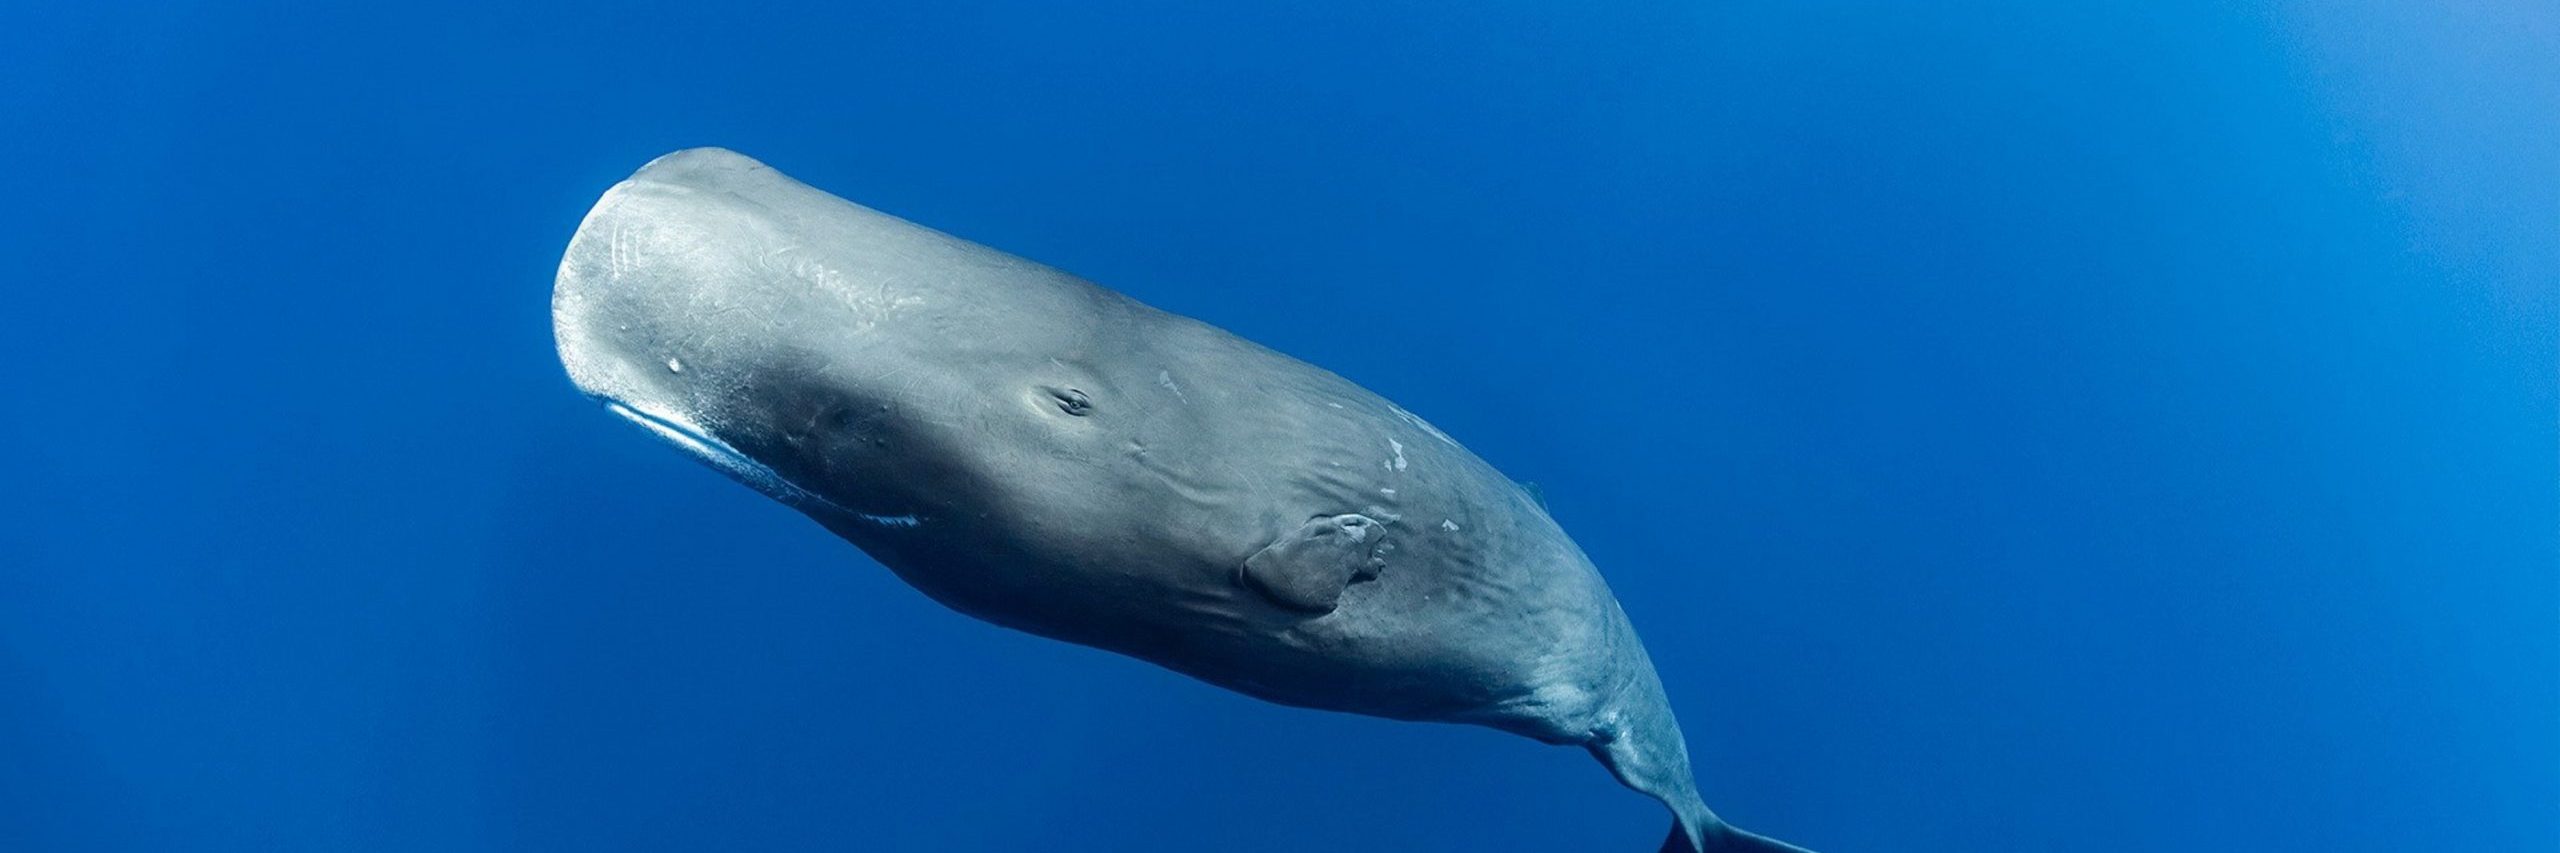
{"x": 660, "y": 263}
{"x": 654, "y": 248}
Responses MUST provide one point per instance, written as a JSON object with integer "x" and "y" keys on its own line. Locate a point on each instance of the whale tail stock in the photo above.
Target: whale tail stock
{"x": 1642, "y": 746}
{"x": 1661, "y": 769}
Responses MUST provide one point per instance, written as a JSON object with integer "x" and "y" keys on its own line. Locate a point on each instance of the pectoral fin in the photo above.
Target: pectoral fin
{"x": 1308, "y": 568}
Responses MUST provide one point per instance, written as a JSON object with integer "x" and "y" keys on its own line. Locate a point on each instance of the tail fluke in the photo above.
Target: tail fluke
{"x": 1721, "y": 838}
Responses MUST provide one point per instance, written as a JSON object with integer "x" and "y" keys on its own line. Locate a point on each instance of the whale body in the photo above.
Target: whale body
{"x": 1049, "y": 455}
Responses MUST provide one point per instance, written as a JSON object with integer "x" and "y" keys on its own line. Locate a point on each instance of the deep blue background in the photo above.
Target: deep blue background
{"x": 2012, "y": 428}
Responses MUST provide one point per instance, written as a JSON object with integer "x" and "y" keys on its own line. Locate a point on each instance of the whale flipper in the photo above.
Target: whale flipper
{"x": 1307, "y": 569}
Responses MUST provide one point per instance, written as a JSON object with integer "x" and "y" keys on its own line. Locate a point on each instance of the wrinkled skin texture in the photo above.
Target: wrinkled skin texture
{"x": 1048, "y": 455}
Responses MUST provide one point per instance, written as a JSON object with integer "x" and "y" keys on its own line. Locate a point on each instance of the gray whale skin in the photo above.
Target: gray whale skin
{"x": 1048, "y": 455}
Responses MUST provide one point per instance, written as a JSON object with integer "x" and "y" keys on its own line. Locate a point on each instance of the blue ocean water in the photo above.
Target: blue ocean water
{"x": 2013, "y": 426}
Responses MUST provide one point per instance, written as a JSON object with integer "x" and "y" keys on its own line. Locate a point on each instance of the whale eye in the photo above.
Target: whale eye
{"x": 1072, "y": 401}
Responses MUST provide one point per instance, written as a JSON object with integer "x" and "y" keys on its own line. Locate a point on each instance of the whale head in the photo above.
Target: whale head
{"x": 823, "y": 353}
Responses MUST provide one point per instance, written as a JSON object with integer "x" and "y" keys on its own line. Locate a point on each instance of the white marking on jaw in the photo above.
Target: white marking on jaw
{"x": 682, "y": 432}
{"x": 675, "y": 366}
{"x": 1396, "y": 464}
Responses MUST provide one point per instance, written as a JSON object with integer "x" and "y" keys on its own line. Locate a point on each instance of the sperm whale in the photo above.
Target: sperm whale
{"x": 1052, "y": 456}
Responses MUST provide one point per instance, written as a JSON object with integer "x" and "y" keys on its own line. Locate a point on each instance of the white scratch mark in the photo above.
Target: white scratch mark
{"x": 869, "y": 301}
{"x": 1396, "y": 464}
{"x": 908, "y": 520}
{"x": 1165, "y": 378}
{"x": 1448, "y": 525}
{"x": 1388, "y": 492}
{"x": 1426, "y": 426}
{"x": 615, "y": 261}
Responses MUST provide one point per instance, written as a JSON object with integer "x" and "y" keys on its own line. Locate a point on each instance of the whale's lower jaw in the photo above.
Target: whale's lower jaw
{"x": 699, "y": 442}
{"x": 710, "y": 450}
